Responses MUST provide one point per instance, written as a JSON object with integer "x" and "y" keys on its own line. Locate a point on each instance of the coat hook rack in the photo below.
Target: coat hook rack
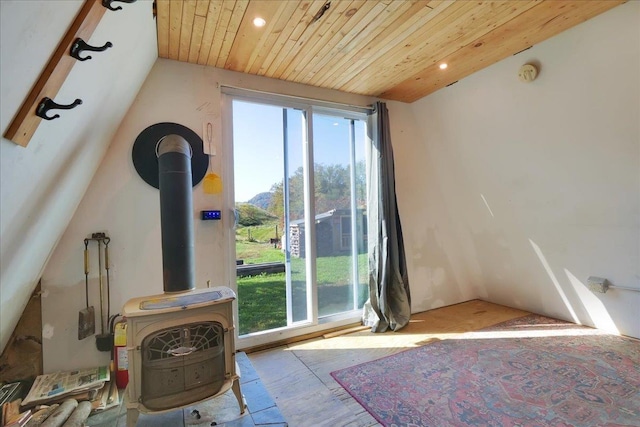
{"x": 48, "y": 104}
{"x": 80, "y": 45}
{"x": 53, "y": 75}
{"x": 107, "y": 4}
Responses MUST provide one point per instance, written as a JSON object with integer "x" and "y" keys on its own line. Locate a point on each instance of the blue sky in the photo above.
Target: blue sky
{"x": 258, "y": 148}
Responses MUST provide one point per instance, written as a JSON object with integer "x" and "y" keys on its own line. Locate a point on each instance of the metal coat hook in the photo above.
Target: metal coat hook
{"x": 80, "y": 45}
{"x": 48, "y": 104}
{"x": 107, "y": 4}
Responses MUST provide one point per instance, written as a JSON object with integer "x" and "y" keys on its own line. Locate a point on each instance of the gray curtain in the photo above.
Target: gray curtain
{"x": 389, "y": 304}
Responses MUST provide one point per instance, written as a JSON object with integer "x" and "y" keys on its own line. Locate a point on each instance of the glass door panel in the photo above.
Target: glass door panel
{"x": 340, "y": 213}
{"x": 269, "y": 169}
{"x": 300, "y": 198}
{"x": 293, "y": 203}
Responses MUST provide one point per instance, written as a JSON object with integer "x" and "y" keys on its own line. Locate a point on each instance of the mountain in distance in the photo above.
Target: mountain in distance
{"x": 261, "y": 200}
{"x": 250, "y": 215}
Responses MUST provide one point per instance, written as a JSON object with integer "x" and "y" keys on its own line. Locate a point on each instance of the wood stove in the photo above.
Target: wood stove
{"x": 180, "y": 344}
{"x": 181, "y": 350}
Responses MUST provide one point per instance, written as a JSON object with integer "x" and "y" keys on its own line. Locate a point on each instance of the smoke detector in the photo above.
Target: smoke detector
{"x": 528, "y": 73}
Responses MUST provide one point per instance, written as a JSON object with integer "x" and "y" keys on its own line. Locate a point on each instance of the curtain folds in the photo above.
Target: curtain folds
{"x": 389, "y": 304}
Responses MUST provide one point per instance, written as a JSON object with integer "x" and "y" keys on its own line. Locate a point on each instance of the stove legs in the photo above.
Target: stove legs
{"x": 236, "y": 390}
{"x": 132, "y": 417}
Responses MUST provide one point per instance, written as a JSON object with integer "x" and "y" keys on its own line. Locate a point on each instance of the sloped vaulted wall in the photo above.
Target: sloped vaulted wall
{"x": 42, "y": 184}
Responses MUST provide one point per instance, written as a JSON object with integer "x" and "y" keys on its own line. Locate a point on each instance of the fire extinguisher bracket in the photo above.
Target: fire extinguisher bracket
{"x": 104, "y": 342}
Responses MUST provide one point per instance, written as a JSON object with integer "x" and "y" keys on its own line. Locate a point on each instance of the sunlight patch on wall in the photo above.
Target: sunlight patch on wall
{"x": 554, "y": 280}
{"x": 487, "y": 205}
{"x": 597, "y": 311}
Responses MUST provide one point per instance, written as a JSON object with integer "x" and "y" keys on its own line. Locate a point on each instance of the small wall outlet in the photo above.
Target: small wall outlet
{"x": 597, "y": 284}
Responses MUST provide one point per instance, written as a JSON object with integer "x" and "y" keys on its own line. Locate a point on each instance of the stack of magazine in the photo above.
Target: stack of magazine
{"x": 10, "y": 399}
{"x": 88, "y": 384}
{"x": 10, "y": 392}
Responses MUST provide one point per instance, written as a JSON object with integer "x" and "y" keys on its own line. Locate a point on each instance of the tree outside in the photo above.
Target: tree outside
{"x": 262, "y": 297}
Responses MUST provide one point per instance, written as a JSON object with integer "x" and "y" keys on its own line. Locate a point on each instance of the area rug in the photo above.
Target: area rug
{"x": 530, "y": 371}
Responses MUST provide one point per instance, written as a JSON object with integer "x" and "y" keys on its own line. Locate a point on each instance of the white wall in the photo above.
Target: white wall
{"x": 436, "y": 261}
{"x": 41, "y": 185}
{"x": 119, "y": 202}
{"x": 519, "y": 192}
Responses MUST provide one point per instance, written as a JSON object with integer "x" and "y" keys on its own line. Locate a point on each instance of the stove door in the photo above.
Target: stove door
{"x": 182, "y": 364}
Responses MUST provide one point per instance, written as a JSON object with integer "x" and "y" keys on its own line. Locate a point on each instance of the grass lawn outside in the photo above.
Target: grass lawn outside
{"x": 258, "y": 253}
{"x": 259, "y": 233}
{"x": 262, "y": 298}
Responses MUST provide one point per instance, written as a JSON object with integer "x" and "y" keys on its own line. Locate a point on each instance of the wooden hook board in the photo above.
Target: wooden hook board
{"x": 50, "y": 81}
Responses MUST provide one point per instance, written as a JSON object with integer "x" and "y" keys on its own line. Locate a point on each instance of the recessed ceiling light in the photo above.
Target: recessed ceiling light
{"x": 259, "y": 22}
{"x": 443, "y": 66}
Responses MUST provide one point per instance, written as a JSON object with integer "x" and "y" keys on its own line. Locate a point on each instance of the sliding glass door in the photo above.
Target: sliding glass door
{"x": 300, "y": 234}
{"x": 340, "y": 214}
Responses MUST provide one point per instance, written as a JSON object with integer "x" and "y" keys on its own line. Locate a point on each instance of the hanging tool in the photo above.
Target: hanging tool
{"x": 101, "y": 288}
{"x": 106, "y": 266}
{"x": 86, "y": 316}
{"x": 104, "y": 341}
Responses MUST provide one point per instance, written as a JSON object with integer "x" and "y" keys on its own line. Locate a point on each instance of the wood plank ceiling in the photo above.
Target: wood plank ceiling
{"x": 390, "y": 49}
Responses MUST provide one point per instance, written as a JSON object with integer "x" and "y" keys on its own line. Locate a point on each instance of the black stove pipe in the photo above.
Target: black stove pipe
{"x": 176, "y": 213}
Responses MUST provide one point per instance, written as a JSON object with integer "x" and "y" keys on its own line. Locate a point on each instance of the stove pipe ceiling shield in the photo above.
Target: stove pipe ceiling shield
{"x": 176, "y": 214}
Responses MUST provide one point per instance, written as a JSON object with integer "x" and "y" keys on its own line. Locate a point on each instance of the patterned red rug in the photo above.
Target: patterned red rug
{"x": 530, "y": 371}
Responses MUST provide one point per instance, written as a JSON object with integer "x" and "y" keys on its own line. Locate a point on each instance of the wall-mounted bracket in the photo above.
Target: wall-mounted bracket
{"x": 107, "y": 4}
{"x": 26, "y": 122}
{"x": 80, "y": 46}
{"x": 48, "y": 104}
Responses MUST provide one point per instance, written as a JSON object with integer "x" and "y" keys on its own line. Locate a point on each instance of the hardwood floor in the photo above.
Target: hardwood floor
{"x": 297, "y": 376}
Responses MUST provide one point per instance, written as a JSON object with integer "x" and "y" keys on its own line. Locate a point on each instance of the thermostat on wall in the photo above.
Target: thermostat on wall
{"x": 210, "y": 215}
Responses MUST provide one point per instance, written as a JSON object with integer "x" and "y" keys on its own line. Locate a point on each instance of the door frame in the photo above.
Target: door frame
{"x": 309, "y": 107}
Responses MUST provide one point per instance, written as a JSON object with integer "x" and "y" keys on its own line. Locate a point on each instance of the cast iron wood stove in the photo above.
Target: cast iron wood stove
{"x": 181, "y": 350}
{"x": 180, "y": 344}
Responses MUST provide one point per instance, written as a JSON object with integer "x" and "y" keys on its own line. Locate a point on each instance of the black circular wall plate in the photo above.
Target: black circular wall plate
{"x": 144, "y": 152}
